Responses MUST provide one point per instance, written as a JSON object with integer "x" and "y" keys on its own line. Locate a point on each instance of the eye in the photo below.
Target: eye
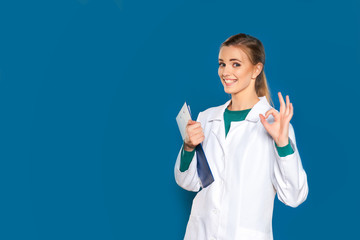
{"x": 220, "y": 64}
{"x": 237, "y": 64}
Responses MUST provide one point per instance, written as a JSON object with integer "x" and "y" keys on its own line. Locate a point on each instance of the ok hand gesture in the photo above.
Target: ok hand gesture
{"x": 279, "y": 129}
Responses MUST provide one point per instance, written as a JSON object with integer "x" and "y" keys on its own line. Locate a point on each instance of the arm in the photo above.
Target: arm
{"x": 288, "y": 177}
{"x": 185, "y": 159}
{"x": 187, "y": 179}
{"x": 284, "y": 151}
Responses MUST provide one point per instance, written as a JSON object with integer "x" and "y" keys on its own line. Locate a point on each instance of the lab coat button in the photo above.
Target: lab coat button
{"x": 215, "y": 211}
{"x": 221, "y": 182}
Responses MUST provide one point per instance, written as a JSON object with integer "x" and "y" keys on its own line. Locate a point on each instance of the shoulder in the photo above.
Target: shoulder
{"x": 211, "y": 110}
{"x": 212, "y": 113}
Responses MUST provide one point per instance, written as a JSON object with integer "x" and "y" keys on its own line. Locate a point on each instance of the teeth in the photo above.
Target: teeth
{"x": 228, "y": 81}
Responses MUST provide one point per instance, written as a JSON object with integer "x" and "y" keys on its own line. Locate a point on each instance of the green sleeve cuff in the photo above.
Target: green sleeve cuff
{"x": 285, "y": 150}
{"x": 185, "y": 160}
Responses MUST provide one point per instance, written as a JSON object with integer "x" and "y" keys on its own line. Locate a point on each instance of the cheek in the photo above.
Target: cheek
{"x": 220, "y": 73}
{"x": 242, "y": 73}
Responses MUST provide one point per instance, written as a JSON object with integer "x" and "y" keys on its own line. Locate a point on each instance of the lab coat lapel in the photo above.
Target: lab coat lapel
{"x": 219, "y": 131}
{"x": 217, "y": 117}
{"x": 260, "y": 107}
{"x": 218, "y": 127}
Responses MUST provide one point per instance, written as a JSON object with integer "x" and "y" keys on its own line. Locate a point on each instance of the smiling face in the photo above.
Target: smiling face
{"x": 236, "y": 72}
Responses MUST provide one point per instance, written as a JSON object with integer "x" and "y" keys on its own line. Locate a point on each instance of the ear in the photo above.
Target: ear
{"x": 258, "y": 67}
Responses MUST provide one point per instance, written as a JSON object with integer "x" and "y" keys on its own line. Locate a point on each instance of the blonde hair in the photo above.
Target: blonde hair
{"x": 254, "y": 49}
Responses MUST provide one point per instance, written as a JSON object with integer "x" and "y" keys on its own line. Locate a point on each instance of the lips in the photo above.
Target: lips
{"x": 229, "y": 82}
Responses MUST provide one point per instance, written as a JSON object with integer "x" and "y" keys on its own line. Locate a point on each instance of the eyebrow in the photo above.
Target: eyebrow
{"x": 233, "y": 59}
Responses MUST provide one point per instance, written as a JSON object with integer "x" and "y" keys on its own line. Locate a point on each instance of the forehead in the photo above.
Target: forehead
{"x": 230, "y": 52}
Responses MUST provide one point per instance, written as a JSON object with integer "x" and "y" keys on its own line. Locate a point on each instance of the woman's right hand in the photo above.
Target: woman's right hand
{"x": 194, "y": 135}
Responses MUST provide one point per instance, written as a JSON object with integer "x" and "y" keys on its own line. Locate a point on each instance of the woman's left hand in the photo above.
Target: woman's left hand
{"x": 279, "y": 129}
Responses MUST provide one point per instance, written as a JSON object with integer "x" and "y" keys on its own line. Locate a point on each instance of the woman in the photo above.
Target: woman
{"x": 251, "y": 150}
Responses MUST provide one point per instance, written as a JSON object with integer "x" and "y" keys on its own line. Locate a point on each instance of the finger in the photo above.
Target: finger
{"x": 287, "y": 110}
{"x": 194, "y": 125}
{"x": 264, "y": 122}
{"x": 271, "y": 111}
{"x": 196, "y": 131}
{"x": 291, "y": 110}
{"x": 196, "y": 139}
{"x": 199, "y": 139}
{"x": 191, "y": 122}
{"x": 282, "y": 103}
{"x": 274, "y": 113}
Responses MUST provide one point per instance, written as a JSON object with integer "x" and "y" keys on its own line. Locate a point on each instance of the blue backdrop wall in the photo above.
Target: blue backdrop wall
{"x": 89, "y": 92}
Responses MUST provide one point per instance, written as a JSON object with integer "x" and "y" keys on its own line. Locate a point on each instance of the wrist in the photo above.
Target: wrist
{"x": 282, "y": 143}
{"x": 187, "y": 148}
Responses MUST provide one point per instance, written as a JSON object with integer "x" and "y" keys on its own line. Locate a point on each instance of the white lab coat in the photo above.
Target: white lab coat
{"x": 248, "y": 172}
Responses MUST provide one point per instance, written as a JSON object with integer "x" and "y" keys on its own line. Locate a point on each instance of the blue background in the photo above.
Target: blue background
{"x": 89, "y": 92}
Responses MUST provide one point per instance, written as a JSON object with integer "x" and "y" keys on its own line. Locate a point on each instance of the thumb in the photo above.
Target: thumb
{"x": 264, "y": 122}
{"x": 191, "y": 121}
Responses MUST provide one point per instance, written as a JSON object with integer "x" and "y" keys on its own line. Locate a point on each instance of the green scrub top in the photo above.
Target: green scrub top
{"x": 229, "y": 116}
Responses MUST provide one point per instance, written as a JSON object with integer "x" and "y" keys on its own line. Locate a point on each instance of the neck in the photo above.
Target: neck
{"x": 242, "y": 101}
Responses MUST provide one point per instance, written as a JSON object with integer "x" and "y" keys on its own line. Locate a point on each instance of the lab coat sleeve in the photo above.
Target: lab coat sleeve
{"x": 288, "y": 177}
{"x": 189, "y": 179}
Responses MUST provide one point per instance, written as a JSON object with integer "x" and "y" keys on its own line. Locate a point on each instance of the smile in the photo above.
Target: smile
{"x": 229, "y": 82}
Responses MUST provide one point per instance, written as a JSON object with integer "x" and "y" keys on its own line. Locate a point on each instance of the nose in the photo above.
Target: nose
{"x": 226, "y": 71}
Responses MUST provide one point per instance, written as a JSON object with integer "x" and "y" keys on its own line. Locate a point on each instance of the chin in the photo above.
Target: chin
{"x": 229, "y": 91}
